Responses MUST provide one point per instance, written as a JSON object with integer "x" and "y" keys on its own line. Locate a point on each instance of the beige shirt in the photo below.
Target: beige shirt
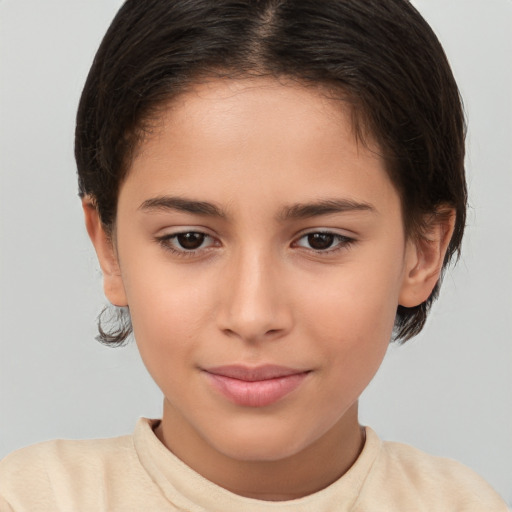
{"x": 137, "y": 473}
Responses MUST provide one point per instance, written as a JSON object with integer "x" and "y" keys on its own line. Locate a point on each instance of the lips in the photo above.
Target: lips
{"x": 255, "y": 387}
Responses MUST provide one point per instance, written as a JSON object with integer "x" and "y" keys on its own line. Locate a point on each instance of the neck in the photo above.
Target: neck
{"x": 303, "y": 473}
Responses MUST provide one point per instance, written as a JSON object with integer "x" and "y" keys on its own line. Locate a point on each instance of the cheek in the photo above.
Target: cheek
{"x": 355, "y": 300}
{"x": 167, "y": 311}
{"x": 351, "y": 316}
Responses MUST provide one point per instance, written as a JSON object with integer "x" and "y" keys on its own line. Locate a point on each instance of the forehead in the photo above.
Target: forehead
{"x": 279, "y": 136}
{"x": 255, "y": 102}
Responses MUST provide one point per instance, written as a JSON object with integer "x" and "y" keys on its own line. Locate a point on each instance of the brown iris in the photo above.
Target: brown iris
{"x": 190, "y": 241}
{"x": 320, "y": 241}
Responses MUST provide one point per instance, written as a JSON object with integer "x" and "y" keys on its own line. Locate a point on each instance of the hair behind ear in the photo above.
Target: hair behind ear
{"x": 426, "y": 256}
{"x": 121, "y": 327}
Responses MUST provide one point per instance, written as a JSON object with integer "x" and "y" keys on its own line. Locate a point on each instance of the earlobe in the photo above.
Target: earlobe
{"x": 112, "y": 280}
{"x": 424, "y": 259}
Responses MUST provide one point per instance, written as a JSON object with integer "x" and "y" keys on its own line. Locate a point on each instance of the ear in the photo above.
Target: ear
{"x": 424, "y": 258}
{"x": 107, "y": 257}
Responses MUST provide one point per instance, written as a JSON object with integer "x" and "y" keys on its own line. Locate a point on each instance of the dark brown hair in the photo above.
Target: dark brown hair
{"x": 380, "y": 55}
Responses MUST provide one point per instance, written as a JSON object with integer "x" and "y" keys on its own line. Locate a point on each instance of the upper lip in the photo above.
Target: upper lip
{"x": 253, "y": 374}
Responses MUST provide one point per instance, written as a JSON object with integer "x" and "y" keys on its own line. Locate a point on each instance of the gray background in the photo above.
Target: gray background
{"x": 447, "y": 392}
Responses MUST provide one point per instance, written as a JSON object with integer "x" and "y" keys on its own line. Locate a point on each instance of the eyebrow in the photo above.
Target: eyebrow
{"x": 295, "y": 211}
{"x": 182, "y": 205}
{"x": 324, "y": 207}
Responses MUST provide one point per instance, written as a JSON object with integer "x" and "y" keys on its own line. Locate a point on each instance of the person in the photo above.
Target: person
{"x": 273, "y": 189}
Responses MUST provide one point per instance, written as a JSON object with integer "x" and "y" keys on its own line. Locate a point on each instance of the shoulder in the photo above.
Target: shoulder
{"x": 50, "y": 470}
{"x": 65, "y": 453}
{"x": 403, "y": 474}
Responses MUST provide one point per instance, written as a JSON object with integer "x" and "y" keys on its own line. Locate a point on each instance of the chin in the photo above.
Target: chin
{"x": 259, "y": 452}
{"x": 263, "y": 445}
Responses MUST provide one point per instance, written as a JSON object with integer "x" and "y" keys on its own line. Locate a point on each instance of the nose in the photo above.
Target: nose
{"x": 253, "y": 301}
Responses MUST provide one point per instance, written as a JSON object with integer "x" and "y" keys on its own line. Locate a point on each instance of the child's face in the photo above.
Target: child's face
{"x": 295, "y": 256}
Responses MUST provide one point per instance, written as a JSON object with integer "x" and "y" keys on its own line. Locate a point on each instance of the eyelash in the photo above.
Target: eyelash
{"x": 166, "y": 242}
{"x": 342, "y": 242}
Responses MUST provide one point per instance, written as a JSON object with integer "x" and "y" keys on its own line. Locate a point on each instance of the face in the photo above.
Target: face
{"x": 262, "y": 255}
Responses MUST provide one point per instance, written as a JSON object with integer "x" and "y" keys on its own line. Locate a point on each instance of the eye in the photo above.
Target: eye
{"x": 186, "y": 242}
{"x": 323, "y": 241}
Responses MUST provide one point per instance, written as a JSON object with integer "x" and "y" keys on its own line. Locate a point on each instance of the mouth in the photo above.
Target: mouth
{"x": 255, "y": 387}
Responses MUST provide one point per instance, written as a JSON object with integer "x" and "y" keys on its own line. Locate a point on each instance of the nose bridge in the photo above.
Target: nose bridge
{"x": 253, "y": 305}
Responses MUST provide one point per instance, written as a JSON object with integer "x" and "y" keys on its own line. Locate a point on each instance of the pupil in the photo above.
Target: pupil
{"x": 320, "y": 240}
{"x": 191, "y": 240}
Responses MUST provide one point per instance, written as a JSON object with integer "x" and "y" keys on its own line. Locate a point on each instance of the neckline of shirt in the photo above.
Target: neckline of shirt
{"x": 188, "y": 490}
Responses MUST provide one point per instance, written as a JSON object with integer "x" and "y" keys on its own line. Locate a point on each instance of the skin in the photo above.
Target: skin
{"x": 255, "y": 291}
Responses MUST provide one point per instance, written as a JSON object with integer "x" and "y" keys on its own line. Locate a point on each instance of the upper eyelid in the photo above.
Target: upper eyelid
{"x": 335, "y": 235}
{"x": 168, "y": 233}
{"x": 301, "y": 234}
{"x": 167, "y": 236}
{"x": 344, "y": 241}
{"x": 205, "y": 231}
{"x": 327, "y": 231}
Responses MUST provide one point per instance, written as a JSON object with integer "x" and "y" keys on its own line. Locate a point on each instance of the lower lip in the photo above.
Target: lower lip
{"x": 258, "y": 393}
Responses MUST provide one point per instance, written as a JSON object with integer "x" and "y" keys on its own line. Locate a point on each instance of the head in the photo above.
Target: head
{"x": 269, "y": 183}
{"x": 380, "y": 60}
